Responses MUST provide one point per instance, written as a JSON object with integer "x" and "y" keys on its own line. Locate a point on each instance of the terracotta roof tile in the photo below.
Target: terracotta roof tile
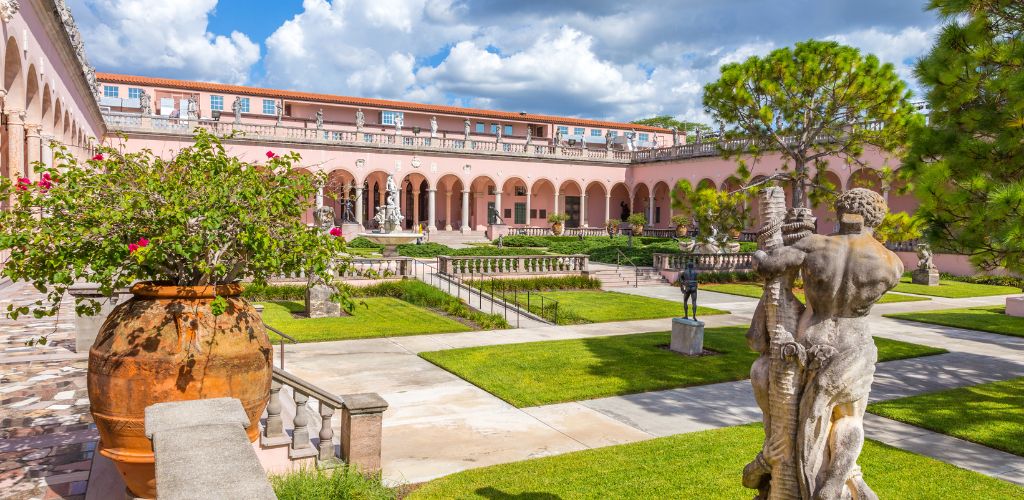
{"x": 364, "y": 101}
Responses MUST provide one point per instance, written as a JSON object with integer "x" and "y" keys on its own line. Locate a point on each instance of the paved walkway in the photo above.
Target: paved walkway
{"x": 439, "y": 423}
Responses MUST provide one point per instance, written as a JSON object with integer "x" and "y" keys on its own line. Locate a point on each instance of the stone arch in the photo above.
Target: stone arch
{"x": 483, "y": 191}
{"x": 33, "y": 97}
{"x": 542, "y": 201}
{"x": 824, "y": 212}
{"x": 570, "y": 202}
{"x": 865, "y": 178}
{"x": 662, "y": 205}
{"x": 374, "y": 193}
{"x": 449, "y": 201}
{"x": 705, "y": 183}
{"x": 515, "y": 200}
{"x": 47, "y": 116}
{"x": 598, "y": 209}
{"x": 641, "y": 200}
{"x": 413, "y": 200}
{"x": 339, "y": 186}
{"x": 620, "y": 201}
{"x": 14, "y": 78}
{"x": 900, "y": 201}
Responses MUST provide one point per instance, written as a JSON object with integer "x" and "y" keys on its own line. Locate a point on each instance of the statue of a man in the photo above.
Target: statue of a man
{"x": 688, "y": 285}
{"x": 529, "y": 134}
{"x": 675, "y": 136}
{"x": 623, "y": 210}
{"x": 697, "y": 135}
{"x": 608, "y": 139}
{"x": 465, "y": 127}
{"x": 399, "y": 122}
{"x": 433, "y": 127}
{"x": 631, "y": 138}
{"x": 193, "y": 108}
{"x": 320, "y": 118}
{"x": 360, "y": 119}
{"x": 497, "y": 136}
{"x": 558, "y": 137}
{"x": 236, "y": 108}
{"x": 145, "y": 103}
{"x": 279, "y": 108}
{"x": 817, "y": 362}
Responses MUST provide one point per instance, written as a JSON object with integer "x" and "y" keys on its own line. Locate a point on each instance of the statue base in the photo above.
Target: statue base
{"x": 687, "y": 336}
{"x": 928, "y": 277}
{"x": 351, "y": 230}
{"x": 495, "y": 230}
{"x": 319, "y": 303}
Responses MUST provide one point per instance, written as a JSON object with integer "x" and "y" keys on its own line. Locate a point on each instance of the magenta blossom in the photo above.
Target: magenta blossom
{"x": 132, "y": 247}
{"x": 143, "y": 242}
{"x": 98, "y": 157}
{"x": 335, "y": 231}
{"x": 24, "y": 183}
{"x": 271, "y": 155}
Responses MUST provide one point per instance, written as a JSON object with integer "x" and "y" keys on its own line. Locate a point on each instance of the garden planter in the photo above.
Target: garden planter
{"x": 681, "y": 231}
{"x": 556, "y": 229}
{"x": 638, "y": 229}
{"x": 165, "y": 344}
{"x": 732, "y": 247}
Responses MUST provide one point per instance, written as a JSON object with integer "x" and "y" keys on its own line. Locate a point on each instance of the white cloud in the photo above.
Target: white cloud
{"x": 901, "y": 48}
{"x": 166, "y": 38}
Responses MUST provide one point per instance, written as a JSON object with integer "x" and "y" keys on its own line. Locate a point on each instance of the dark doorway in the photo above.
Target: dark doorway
{"x": 572, "y": 211}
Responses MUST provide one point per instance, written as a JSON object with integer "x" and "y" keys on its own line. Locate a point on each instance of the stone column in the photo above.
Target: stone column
{"x": 465, "y": 211}
{"x": 448, "y": 210}
{"x": 415, "y": 209}
{"x": 47, "y": 152}
{"x": 361, "y": 419}
{"x": 15, "y": 144}
{"x": 358, "y": 204}
{"x": 431, "y": 210}
{"x": 529, "y": 221}
{"x": 650, "y": 210}
{"x": 583, "y": 210}
{"x": 33, "y": 148}
{"x": 497, "y": 204}
{"x": 555, "y": 210}
{"x": 607, "y": 207}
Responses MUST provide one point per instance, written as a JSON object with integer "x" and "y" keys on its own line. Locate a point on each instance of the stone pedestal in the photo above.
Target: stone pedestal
{"x": 687, "y": 336}
{"x": 928, "y": 277}
{"x": 319, "y": 303}
{"x": 87, "y": 327}
{"x": 351, "y": 230}
{"x": 495, "y": 230}
{"x": 1015, "y": 306}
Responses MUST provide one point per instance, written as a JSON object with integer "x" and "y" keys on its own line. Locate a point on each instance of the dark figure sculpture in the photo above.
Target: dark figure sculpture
{"x": 688, "y": 285}
{"x": 624, "y": 214}
{"x": 495, "y": 217}
{"x": 348, "y": 215}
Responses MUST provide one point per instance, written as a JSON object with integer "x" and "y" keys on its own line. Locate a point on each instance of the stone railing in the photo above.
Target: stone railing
{"x": 347, "y": 135}
{"x": 705, "y": 262}
{"x": 512, "y": 265}
{"x": 361, "y": 417}
{"x": 364, "y": 268}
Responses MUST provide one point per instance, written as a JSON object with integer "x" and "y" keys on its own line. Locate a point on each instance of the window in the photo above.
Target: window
{"x": 217, "y": 102}
{"x": 644, "y": 137}
{"x": 494, "y": 128}
{"x": 508, "y": 130}
{"x": 389, "y": 117}
{"x": 269, "y": 107}
{"x": 533, "y": 213}
{"x": 244, "y": 102}
{"x": 579, "y": 131}
{"x": 110, "y": 90}
{"x": 595, "y": 132}
{"x": 134, "y": 93}
{"x": 613, "y": 133}
{"x": 543, "y": 213}
{"x": 657, "y": 215}
{"x": 563, "y": 130}
{"x": 480, "y": 127}
{"x": 520, "y": 190}
{"x": 520, "y": 213}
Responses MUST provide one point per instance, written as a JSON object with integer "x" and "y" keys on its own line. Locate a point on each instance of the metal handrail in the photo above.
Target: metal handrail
{"x": 515, "y": 299}
{"x": 283, "y": 337}
{"x": 636, "y": 270}
{"x": 461, "y": 284}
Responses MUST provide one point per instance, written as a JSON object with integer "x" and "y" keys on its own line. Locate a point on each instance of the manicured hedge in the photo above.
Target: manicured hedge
{"x": 421, "y": 294}
{"x": 363, "y": 242}
{"x": 435, "y": 249}
{"x": 540, "y": 283}
{"x": 256, "y": 293}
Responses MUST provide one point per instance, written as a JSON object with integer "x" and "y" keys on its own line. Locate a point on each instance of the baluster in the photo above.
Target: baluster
{"x": 274, "y": 427}
{"x": 301, "y": 446}
{"x": 326, "y": 434}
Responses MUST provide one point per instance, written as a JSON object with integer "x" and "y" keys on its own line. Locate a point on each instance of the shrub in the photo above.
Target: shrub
{"x": 637, "y": 219}
{"x": 728, "y": 277}
{"x": 556, "y": 218}
{"x": 541, "y": 283}
{"x": 984, "y": 279}
{"x": 570, "y": 247}
{"x": 363, "y": 242}
{"x": 263, "y": 293}
{"x": 326, "y": 484}
{"x": 519, "y": 240}
{"x": 436, "y": 249}
{"x": 421, "y": 294}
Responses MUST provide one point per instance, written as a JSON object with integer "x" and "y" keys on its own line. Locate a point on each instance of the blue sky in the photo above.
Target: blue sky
{"x": 601, "y": 59}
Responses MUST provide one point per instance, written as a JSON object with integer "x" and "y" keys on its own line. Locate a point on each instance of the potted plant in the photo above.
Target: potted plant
{"x": 720, "y": 216}
{"x": 612, "y": 227}
{"x": 682, "y": 224}
{"x": 637, "y": 222}
{"x": 557, "y": 221}
{"x": 183, "y": 233}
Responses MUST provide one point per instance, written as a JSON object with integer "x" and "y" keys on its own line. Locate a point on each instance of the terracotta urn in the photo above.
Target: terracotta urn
{"x": 557, "y": 228}
{"x": 681, "y": 231}
{"x": 638, "y": 229}
{"x": 165, "y": 344}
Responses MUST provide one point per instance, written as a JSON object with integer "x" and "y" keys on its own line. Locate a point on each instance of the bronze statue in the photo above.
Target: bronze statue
{"x": 688, "y": 285}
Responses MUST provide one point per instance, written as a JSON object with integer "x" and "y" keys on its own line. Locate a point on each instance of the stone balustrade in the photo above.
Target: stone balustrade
{"x": 706, "y": 262}
{"x": 360, "y": 429}
{"x": 364, "y": 268}
{"x": 347, "y": 135}
{"x": 512, "y": 265}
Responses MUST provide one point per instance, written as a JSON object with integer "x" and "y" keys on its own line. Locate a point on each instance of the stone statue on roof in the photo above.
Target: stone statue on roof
{"x": 320, "y": 118}
{"x": 193, "y": 108}
{"x": 279, "y": 108}
{"x": 529, "y": 134}
{"x": 236, "y": 108}
{"x": 145, "y": 103}
{"x": 360, "y": 119}
{"x": 399, "y": 122}
{"x": 465, "y": 125}
{"x": 558, "y": 137}
{"x": 433, "y": 127}
{"x": 497, "y": 137}
{"x": 608, "y": 139}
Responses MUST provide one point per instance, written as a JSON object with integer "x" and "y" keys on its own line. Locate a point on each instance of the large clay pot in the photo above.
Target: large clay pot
{"x": 557, "y": 228}
{"x": 164, "y": 344}
{"x": 638, "y": 229}
{"x": 681, "y": 231}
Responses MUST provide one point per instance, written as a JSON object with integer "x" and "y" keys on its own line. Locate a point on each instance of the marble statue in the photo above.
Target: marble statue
{"x": 817, "y": 362}
{"x": 279, "y": 109}
{"x": 529, "y": 134}
{"x": 558, "y": 138}
{"x": 630, "y": 140}
{"x": 8, "y": 8}
{"x": 608, "y": 140}
{"x": 391, "y": 217}
{"x": 145, "y": 103}
{"x": 323, "y": 217}
{"x": 465, "y": 127}
{"x": 698, "y": 136}
{"x": 193, "y": 108}
{"x": 924, "y": 256}
{"x": 236, "y": 108}
{"x": 675, "y": 136}
{"x": 497, "y": 135}
{"x": 399, "y": 122}
{"x": 926, "y": 272}
{"x": 433, "y": 127}
{"x": 360, "y": 119}
{"x": 320, "y": 119}
{"x": 688, "y": 285}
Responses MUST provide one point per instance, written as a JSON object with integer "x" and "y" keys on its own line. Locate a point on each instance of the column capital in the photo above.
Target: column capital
{"x": 33, "y": 129}
{"x": 15, "y": 116}
{"x": 431, "y": 190}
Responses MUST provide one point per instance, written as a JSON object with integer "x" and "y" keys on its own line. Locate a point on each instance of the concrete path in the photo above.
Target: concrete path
{"x": 439, "y": 423}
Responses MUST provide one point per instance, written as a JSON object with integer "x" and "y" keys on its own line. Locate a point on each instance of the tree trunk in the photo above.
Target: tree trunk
{"x": 800, "y": 185}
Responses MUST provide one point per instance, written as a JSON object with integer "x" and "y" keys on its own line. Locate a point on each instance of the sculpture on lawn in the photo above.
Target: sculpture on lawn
{"x": 817, "y": 362}
{"x": 924, "y": 257}
{"x": 688, "y": 285}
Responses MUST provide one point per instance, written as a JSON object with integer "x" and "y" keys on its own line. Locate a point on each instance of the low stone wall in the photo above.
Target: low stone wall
{"x": 514, "y": 265}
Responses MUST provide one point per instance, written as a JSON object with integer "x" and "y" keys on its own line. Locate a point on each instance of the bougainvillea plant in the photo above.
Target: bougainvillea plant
{"x": 200, "y": 218}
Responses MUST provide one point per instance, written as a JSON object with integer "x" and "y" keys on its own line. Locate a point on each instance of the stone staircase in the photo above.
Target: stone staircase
{"x": 625, "y": 276}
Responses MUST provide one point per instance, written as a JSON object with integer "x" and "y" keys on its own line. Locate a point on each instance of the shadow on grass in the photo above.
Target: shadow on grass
{"x": 496, "y": 494}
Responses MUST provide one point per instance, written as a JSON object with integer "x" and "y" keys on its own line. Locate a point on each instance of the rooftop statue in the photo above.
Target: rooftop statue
{"x": 465, "y": 126}
{"x": 529, "y": 134}
{"x": 279, "y": 109}
{"x": 360, "y": 119}
{"x": 145, "y": 103}
{"x": 399, "y": 122}
{"x": 236, "y": 108}
{"x": 319, "y": 118}
{"x": 675, "y": 136}
{"x": 433, "y": 126}
{"x": 817, "y": 362}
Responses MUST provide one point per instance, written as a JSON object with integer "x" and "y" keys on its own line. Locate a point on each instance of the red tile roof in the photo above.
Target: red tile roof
{"x": 363, "y": 101}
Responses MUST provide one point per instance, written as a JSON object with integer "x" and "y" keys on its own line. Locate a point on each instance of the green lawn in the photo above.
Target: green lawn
{"x": 954, "y": 289}
{"x": 991, "y": 319}
{"x": 380, "y": 317}
{"x": 987, "y": 414}
{"x": 754, "y": 290}
{"x": 705, "y": 465}
{"x": 598, "y": 306}
{"x": 538, "y": 373}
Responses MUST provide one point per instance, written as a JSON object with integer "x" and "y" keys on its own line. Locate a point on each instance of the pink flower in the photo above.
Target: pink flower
{"x": 24, "y": 183}
{"x": 132, "y": 247}
{"x": 335, "y": 231}
{"x": 143, "y": 242}
{"x": 98, "y": 157}
{"x": 270, "y": 154}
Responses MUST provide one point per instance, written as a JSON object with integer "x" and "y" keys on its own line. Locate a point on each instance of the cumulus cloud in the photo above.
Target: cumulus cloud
{"x": 901, "y": 48}
{"x": 163, "y": 38}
